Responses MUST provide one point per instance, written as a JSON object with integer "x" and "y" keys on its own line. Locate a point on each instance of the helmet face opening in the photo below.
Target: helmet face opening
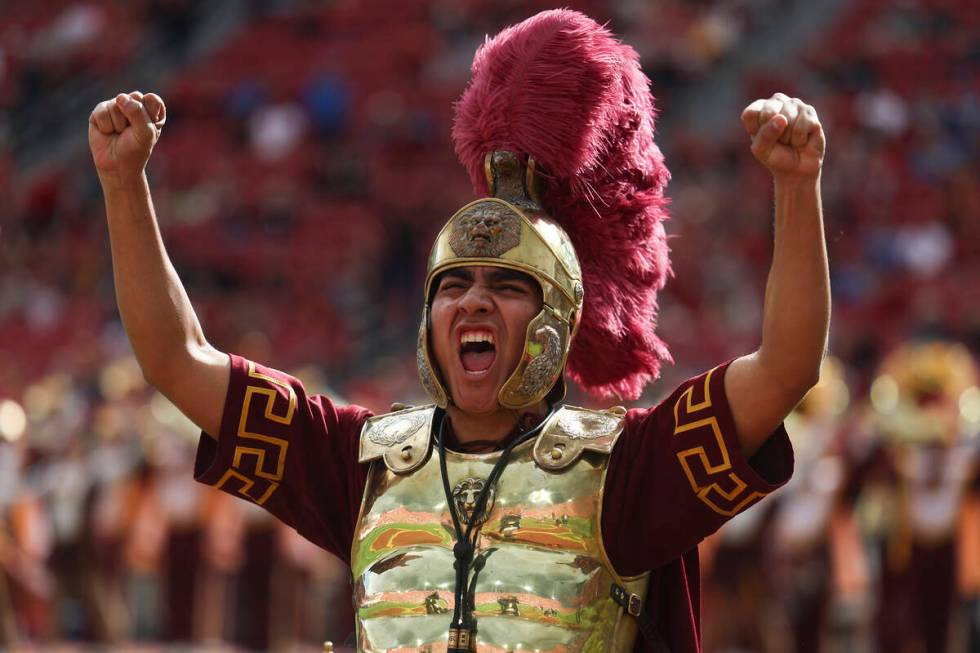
{"x": 514, "y": 233}
{"x": 508, "y": 271}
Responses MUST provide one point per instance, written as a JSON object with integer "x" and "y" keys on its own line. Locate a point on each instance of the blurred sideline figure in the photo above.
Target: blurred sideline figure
{"x": 919, "y": 490}
{"x": 818, "y": 555}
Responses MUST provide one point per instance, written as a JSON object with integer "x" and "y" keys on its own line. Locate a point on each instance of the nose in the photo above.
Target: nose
{"x": 476, "y": 300}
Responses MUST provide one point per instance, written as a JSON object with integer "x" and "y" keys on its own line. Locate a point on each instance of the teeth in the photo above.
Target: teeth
{"x": 476, "y": 336}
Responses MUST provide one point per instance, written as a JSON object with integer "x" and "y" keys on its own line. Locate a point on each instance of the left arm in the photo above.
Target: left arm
{"x": 763, "y": 387}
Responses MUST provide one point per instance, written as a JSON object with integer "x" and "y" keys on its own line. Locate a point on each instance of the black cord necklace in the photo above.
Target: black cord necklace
{"x": 463, "y": 626}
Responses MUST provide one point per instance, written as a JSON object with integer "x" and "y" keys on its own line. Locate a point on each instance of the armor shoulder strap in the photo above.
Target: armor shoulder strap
{"x": 403, "y": 438}
{"x": 572, "y": 430}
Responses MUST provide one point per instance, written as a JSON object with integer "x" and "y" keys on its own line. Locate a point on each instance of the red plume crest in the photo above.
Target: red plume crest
{"x": 562, "y": 89}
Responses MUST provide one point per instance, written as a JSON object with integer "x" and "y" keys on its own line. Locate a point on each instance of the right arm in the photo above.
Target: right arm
{"x": 293, "y": 454}
{"x": 158, "y": 317}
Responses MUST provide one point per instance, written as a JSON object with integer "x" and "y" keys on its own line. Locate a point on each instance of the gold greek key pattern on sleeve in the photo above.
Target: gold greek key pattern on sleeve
{"x": 707, "y": 465}
{"x": 258, "y": 465}
{"x": 246, "y": 486}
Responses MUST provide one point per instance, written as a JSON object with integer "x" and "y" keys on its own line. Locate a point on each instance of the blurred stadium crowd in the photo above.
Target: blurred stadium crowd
{"x": 303, "y": 171}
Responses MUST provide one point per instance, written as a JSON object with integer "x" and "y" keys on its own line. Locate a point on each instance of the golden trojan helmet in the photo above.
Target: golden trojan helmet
{"x": 511, "y": 230}
{"x": 563, "y": 93}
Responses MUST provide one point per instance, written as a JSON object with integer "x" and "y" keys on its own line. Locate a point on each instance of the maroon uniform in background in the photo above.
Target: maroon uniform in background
{"x": 676, "y": 474}
{"x": 930, "y": 483}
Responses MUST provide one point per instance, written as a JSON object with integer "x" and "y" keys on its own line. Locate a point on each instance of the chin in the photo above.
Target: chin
{"x": 476, "y": 401}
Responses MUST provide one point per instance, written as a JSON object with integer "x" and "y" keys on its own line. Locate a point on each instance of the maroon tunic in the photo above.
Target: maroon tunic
{"x": 676, "y": 475}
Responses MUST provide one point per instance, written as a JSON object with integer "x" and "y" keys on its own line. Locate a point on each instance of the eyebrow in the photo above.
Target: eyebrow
{"x": 495, "y": 275}
{"x": 457, "y": 273}
{"x": 500, "y": 275}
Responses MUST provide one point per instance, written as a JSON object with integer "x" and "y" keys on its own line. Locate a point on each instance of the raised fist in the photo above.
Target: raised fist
{"x": 786, "y": 136}
{"x": 121, "y": 134}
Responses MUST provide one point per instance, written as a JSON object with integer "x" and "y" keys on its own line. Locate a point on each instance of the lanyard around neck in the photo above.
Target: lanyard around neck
{"x": 463, "y": 626}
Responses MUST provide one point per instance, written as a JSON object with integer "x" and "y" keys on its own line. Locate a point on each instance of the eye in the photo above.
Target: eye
{"x": 451, "y": 285}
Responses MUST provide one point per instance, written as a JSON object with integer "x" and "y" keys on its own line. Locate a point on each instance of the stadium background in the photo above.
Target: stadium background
{"x": 304, "y": 169}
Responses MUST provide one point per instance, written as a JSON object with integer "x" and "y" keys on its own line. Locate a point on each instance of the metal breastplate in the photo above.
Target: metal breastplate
{"x": 542, "y": 578}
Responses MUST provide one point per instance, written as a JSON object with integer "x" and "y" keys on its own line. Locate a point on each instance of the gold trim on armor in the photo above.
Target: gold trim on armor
{"x": 626, "y": 629}
{"x": 573, "y": 430}
{"x": 402, "y": 438}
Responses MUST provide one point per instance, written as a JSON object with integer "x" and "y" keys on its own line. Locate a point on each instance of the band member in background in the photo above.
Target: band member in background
{"x": 920, "y": 476}
{"x": 816, "y": 547}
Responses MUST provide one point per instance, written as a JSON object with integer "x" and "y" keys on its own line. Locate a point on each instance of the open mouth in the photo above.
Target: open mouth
{"x": 477, "y": 350}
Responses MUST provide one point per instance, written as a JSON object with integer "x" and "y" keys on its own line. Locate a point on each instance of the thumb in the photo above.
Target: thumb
{"x": 137, "y": 116}
{"x": 766, "y": 138}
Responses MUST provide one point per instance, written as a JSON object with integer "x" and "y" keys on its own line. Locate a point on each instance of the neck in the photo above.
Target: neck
{"x": 493, "y": 427}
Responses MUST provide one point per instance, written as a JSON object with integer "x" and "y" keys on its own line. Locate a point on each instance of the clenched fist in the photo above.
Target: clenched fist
{"x": 121, "y": 134}
{"x": 786, "y": 136}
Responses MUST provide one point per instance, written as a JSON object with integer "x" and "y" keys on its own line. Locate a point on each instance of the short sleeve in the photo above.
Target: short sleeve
{"x": 293, "y": 454}
{"x": 677, "y": 473}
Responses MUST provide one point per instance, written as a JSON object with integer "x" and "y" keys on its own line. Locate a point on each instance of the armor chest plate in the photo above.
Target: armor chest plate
{"x": 541, "y": 579}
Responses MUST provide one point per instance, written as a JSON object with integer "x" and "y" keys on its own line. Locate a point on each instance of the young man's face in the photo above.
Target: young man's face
{"x": 479, "y": 321}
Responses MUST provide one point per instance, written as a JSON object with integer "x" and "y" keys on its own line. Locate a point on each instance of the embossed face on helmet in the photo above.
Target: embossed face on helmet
{"x": 510, "y": 230}
{"x": 485, "y": 231}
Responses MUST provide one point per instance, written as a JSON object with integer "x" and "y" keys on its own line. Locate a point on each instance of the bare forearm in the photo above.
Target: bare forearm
{"x": 764, "y": 386}
{"x": 158, "y": 317}
{"x": 797, "y": 300}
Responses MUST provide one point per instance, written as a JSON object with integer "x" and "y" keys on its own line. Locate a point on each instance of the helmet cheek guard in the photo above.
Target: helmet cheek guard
{"x": 510, "y": 230}
{"x": 546, "y": 347}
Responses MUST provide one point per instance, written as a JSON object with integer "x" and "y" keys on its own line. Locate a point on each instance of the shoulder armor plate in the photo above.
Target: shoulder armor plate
{"x": 403, "y": 438}
{"x": 572, "y": 430}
